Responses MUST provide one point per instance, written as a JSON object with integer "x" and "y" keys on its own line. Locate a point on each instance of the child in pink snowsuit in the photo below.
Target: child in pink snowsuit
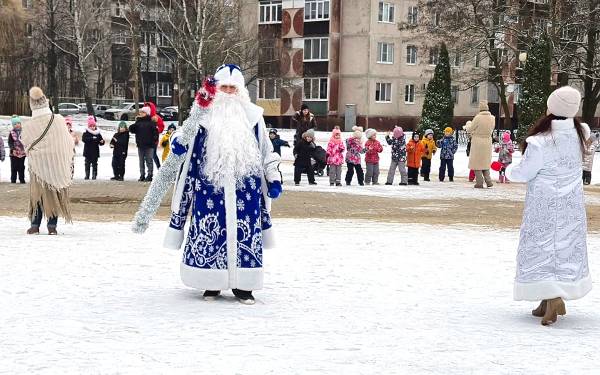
{"x": 505, "y": 150}
{"x": 335, "y": 157}
{"x": 373, "y": 149}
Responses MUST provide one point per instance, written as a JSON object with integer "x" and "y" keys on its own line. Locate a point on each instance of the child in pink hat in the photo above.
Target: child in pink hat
{"x": 505, "y": 150}
{"x": 335, "y": 157}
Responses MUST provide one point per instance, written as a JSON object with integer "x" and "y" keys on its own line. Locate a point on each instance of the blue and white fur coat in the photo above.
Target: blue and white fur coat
{"x": 228, "y": 228}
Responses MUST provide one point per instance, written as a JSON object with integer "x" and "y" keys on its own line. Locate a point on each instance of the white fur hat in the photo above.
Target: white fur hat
{"x": 358, "y": 132}
{"x": 230, "y": 74}
{"x": 146, "y": 110}
{"x": 564, "y": 102}
{"x": 370, "y": 132}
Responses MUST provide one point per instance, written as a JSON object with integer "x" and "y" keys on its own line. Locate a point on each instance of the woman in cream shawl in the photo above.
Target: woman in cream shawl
{"x": 50, "y": 150}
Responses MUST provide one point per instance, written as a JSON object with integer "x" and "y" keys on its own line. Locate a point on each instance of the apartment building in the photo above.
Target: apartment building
{"x": 109, "y": 66}
{"x": 355, "y": 59}
{"x": 156, "y": 58}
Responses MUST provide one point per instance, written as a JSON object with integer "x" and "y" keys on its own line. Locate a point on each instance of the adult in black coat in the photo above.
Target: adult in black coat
{"x": 303, "y": 151}
{"x": 146, "y": 137}
{"x": 120, "y": 145}
{"x": 92, "y": 140}
{"x": 302, "y": 121}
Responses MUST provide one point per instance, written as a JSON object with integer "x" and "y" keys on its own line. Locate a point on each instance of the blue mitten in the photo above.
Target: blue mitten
{"x": 177, "y": 148}
{"x": 275, "y": 189}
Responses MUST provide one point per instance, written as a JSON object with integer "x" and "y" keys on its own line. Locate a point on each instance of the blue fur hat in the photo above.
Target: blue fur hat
{"x": 15, "y": 120}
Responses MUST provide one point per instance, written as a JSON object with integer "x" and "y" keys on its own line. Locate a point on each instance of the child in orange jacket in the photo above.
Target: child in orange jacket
{"x": 414, "y": 152}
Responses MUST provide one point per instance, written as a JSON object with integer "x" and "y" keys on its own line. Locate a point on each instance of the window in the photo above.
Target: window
{"x": 475, "y": 95}
{"x": 118, "y": 90}
{"x": 29, "y": 30}
{"x": 413, "y": 15}
{"x": 386, "y": 12}
{"x": 316, "y": 10}
{"x": 120, "y": 66}
{"x": 316, "y": 49}
{"x": 411, "y": 55}
{"x": 477, "y": 60}
{"x": 27, "y": 4}
{"x": 164, "y": 65}
{"x": 518, "y": 92}
{"x": 164, "y": 89}
{"x": 149, "y": 38}
{"x": 454, "y": 92}
{"x": 269, "y": 11}
{"x": 163, "y": 41}
{"x": 383, "y": 92}
{"x": 117, "y": 10}
{"x": 315, "y": 88}
{"x": 434, "y": 55}
{"x": 385, "y": 53}
{"x": 268, "y": 53}
{"x": 502, "y": 54}
{"x": 409, "y": 94}
{"x": 269, "y": 88}
{"x": 437, "y": 19}
{"x": 151, "y": 89}
{"x": 120, "y": 38}
{"x": 455, "y": 61}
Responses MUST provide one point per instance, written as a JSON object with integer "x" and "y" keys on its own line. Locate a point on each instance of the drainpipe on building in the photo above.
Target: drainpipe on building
{"x": 368, "y": 68}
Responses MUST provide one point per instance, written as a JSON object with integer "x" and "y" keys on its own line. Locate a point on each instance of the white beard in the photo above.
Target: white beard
{"x": 232, "y": 153}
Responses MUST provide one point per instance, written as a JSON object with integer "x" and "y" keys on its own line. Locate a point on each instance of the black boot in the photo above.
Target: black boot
{"x": 211, "y": 295}
{"x": 142, "y": 178}
{"x": 244, "y": 296}
{"x": 87, "y": 170}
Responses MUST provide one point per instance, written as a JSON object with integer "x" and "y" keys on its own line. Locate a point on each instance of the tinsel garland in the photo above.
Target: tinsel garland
{"x": 168, "y": 172}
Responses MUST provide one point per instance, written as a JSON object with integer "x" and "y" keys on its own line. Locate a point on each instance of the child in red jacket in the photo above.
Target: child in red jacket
{"x": 373, "y": 149}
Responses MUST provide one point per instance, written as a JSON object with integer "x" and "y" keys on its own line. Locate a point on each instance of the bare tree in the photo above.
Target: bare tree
{"x": 133, "y": 17}
{"x": 11, "y": 24}
{"x": 203, "y": 34}
{"x": 84, "y": 37}
{"x": 576, "y": 48}
{"x": 12, "y": 49}
{"x": 486, "y": 34}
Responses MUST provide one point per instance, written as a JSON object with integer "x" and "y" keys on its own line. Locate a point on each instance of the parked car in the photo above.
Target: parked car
{"x": 82, "y": 107}
{"x": 100, "y": 109}
{"x": 126, "y": 111}
{"x": 169, "y": 113}
{"x": 68, "y": 109}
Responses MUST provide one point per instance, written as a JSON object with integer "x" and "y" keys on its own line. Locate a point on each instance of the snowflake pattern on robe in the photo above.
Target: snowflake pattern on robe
{"x": 206, "y": 243}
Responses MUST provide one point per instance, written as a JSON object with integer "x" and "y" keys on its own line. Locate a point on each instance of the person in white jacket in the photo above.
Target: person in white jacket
{"x": 552, "y": 261}
{"x": 591, "y": 146}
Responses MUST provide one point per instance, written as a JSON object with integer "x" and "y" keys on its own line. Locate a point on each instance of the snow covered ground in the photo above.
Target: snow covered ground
{"x": 340, "y": 297}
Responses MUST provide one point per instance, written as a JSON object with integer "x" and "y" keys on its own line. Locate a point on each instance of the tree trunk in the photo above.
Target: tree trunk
{"x": 135, "y": 50}
{"x": 507, "y": 122}
{"x": 590, "y": 88}
{"x": 79, "y": 41}
{"x": 588, "y": 112}
{"x": 51, "y": 56}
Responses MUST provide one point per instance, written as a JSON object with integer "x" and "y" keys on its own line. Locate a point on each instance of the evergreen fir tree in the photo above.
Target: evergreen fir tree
{"x": 536, "y": 86}
{"x": 438, "y": 108}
